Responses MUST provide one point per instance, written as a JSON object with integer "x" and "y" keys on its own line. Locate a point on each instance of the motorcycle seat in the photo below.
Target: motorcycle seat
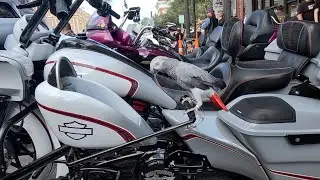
{"x": 213, "y": 41}
{"x": 252, "y": 77}
{"x": 211, "y": 58}
{"x": 241, "y": 78}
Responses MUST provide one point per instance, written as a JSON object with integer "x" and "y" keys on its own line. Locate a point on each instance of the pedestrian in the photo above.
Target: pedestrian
{"x": 281, "y": 15}
{"x": 189, "y": 47}
{"x": 316, "y": 11}
{"x": 305, "y": 10}
{"x": 220, "y": 17}
{"x": 67, "y": 30}
{"x": 209, "y": 24}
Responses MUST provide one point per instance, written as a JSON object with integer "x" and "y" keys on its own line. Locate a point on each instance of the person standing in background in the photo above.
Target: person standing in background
{"x": 209, "y": 24}
{"x": 305, "y": 10}
{"x": 281, "y": 15}
{"x": 220, "y": 17}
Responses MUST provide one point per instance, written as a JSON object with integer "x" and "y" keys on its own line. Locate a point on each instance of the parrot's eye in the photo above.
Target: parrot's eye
{"x": 157, "y": 63}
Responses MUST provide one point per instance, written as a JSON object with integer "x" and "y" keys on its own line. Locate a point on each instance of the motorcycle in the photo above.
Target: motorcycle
{"x": 258, "y": 30}
{"x": 219, "y": 142}
{"x": 228, "y": 144}
{"x": 24, "y": 135}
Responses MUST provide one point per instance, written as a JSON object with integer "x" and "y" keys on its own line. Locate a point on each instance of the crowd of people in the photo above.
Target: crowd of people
{"x": 307, "y": 10}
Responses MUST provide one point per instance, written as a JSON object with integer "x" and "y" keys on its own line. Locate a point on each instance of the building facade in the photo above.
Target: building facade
{"x": 240, "y": 8}
{"x": 78, "y": 22}
{"x": 162, "y": 6}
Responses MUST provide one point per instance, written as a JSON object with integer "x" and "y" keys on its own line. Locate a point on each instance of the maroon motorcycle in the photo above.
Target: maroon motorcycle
{"x": 142, "y": 51}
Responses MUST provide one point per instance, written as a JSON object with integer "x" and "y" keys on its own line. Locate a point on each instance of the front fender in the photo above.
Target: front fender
{"x": 44, "y": 140}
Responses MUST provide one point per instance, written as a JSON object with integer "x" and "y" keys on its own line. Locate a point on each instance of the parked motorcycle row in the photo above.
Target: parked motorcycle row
{"x": 88, "y": 107}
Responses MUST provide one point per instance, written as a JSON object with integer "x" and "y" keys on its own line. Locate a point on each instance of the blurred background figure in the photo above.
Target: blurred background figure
{"x": 305, "y": 10}
{"x": 220, "y": 17}
{"x": 68, "y": 31}
{"x": 209, "y": 24}
{"x": 190, "y": 47}
{"x": 282, "y": 16}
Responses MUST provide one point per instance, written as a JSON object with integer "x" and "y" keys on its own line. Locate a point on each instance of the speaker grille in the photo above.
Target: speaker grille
{"x": 264, "y": 110}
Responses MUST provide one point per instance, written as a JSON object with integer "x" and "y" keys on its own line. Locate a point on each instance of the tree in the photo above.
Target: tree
{"x": 177, "y": 8}
{"x": 146, "y": 22}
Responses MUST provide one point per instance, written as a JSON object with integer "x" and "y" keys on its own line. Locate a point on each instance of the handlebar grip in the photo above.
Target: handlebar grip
{"x": 114, "y": 14}
{"x": 61, "y": 9}
{"x": 30, "y": 4}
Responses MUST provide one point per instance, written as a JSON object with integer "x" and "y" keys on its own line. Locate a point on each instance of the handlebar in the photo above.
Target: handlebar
{"x": 103, "y": 8}
{"x": 61, "y": 9}
{"x": 31, "y": 4}
{"x": 114, "y": 14}
{"x": 157, "y": 30}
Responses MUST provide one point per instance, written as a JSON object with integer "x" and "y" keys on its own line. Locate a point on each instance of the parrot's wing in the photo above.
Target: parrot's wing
{"x": 195, "y": 77}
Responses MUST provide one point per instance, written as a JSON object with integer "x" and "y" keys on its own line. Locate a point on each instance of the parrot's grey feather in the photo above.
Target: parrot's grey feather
{"x": 195, "y": 77}
{"x": 187, "y": 75}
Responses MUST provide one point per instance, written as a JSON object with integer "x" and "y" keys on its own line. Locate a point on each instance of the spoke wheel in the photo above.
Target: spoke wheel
{"x": 19, "y": 150}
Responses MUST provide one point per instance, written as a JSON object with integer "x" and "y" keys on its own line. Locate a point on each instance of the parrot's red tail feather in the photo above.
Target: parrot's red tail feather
{"x": 215, "y": 98}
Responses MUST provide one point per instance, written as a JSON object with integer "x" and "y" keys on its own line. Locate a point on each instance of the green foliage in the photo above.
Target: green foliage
{"x": 177, "y": 7}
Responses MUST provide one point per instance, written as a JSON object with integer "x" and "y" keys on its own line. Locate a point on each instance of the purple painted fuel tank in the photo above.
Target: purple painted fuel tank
{"x": 103, "y": 30}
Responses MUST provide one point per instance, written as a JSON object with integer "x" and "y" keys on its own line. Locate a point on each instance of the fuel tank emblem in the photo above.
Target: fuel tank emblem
{"x": 75, "y": 130}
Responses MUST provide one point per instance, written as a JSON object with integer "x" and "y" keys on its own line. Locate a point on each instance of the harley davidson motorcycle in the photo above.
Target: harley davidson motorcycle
{"x": 91, "y": 106}
{"x": 258, "y": 29}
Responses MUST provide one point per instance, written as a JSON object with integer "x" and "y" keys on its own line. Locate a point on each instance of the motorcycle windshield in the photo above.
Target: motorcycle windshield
{"x": 97, "y": 22}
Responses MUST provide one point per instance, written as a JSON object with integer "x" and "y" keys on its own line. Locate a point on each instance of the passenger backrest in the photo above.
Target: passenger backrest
{"x": 300, "y": 42}
{"x": 231, "y": 38}
{"x": 214, "y": 38}
{"x": 258, "y": 28}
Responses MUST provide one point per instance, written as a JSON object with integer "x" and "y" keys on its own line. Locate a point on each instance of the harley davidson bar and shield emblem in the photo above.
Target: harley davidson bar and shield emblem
{"x": 75, "y": 130}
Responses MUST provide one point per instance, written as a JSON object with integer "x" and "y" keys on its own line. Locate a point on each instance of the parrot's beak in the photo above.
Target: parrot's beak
{"x": 153, "y": 71}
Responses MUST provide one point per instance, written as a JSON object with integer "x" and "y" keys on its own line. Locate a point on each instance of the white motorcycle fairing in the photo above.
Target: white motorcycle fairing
{"x": 100, "y": 119}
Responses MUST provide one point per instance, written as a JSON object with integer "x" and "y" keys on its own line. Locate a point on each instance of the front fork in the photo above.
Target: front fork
{"x": 5, "y": 127}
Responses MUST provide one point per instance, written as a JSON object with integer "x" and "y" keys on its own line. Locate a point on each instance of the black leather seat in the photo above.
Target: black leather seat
{"x": 213, "y": 40}
{"x": 258, "y": 29}
{"x": 299, "y": 41}
{"x": 209, "y": 56}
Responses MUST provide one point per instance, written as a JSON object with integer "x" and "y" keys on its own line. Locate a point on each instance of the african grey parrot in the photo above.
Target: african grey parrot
{"x": 202, "y": 85}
